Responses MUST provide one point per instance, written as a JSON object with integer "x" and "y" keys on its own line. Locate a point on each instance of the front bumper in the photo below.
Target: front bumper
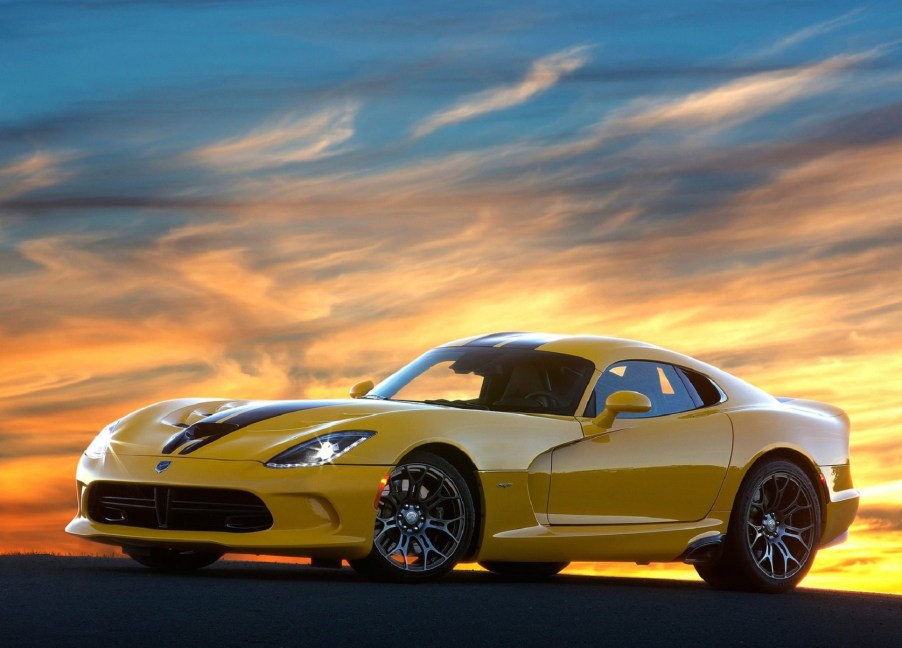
{"x": 318, "y": 512}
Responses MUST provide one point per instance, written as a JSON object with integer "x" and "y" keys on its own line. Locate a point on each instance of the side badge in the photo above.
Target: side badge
{"x": 163, "y": 465}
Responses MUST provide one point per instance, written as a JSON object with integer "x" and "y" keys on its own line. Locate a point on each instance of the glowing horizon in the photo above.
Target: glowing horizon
{"x": 284, "y": 201}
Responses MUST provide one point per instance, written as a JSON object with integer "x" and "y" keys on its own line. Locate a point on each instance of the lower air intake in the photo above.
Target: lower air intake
{"x": 177, "y": 508}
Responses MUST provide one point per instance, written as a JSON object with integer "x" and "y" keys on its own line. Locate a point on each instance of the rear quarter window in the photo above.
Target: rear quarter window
{"x": 708, "y": 392}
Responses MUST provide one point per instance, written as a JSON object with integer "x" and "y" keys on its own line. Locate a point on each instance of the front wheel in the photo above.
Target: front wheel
{"x": 774, "y": 532}
{"x": 172, "y": 559}
{"x": 424, "y": 523}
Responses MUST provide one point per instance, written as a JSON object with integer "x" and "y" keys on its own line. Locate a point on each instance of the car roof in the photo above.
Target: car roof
{"x": 604, "y": 351}
{"x": 592, "y": 347}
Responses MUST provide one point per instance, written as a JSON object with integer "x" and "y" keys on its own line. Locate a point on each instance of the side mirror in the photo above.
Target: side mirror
{"x": 618, "y": 403}
{"x": 361, "y": 389}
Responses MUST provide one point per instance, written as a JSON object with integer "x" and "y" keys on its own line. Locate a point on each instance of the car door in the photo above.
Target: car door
{"x": 665, "y": 465}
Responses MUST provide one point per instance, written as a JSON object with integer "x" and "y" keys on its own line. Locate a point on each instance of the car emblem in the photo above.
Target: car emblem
{"x": 163, "y": 465}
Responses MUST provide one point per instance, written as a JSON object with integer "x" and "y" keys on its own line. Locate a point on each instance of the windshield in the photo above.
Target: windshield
{"x": 491, "y": 378}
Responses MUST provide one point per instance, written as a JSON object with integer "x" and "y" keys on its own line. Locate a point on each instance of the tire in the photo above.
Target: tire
{"x": 172, "y": 559}
{"x": 524, "y": 569}
{"x": 774, "y": 532}
{"x": 719, "y": 575}
{"x": 424, "y": 524}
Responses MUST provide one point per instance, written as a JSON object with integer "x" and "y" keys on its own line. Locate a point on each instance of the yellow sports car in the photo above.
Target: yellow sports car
{"x": 521, "y": 451}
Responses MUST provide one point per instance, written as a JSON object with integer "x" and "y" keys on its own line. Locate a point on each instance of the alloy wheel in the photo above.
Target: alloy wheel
{"x": 421, "y": 519}
{"x": 780, "y": 525}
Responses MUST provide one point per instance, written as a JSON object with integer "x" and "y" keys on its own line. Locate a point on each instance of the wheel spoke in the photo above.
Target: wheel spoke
{"x": 442, "y": 526}
{"x": 780, "y": 490}
{"x": 435, "y": 499}
{"x": 798, "y": 537}
{"x": 402, "y": 548}
{"x": 427, "y": 546}
{"x": 795, "y": 529}
{"x": 787, "y": 555}
{"x": 767, "y": 555}
{"x": 784, "y": 509}
{"x": 395, "y": 492}
{"x": 800, "y": 507}
{"x": 386, "y": 527}
{"x": 443, "y": 523}
{"x": 386, "y": 543}
{"x": 758, "y": 534}
{"x": 414, "y": 485}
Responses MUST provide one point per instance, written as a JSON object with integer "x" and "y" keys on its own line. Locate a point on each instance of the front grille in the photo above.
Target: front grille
{"x": 177, "y": 507}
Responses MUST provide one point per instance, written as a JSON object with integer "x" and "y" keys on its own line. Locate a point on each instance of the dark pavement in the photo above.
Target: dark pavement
{"x": 99, "y": 602}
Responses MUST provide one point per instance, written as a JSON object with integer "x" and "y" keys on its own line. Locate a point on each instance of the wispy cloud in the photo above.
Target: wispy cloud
{"x": 743, "y": 98}
{"x": 291, "y": 139}
{"x": 813, "y": 31}
{"x": 40, "y": 169}
{"x": 713, "y": 109}
{"x": 543, "y": 74}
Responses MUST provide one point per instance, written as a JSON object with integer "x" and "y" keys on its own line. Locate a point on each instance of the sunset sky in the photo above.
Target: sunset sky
{"x": 279, "y": 199}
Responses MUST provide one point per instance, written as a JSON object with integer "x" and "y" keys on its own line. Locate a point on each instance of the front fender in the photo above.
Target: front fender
{"x": 492, "y": 440}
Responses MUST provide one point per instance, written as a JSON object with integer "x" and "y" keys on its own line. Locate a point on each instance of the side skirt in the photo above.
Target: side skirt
{"x": 706, "y": 550}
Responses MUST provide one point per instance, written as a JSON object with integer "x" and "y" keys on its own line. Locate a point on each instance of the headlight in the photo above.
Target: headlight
{"x": 101, "y": 443}
{"x": 321, "y": 450}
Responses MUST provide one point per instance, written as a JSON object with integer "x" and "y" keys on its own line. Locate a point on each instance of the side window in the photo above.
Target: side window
{"x": 706, "y": 392}
{"x": 659, "y": 381}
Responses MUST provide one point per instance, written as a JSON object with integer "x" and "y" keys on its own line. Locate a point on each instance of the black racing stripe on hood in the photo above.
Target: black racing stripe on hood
{"x": 250, "y": 414}
{"x": 494, "y": 339}
{"x": 205, "y": 431}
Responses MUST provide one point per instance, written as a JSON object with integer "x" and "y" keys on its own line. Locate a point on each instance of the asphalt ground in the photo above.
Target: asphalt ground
{"x": 100, "y": 602}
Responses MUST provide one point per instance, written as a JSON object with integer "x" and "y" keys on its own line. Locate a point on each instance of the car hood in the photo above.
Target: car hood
{"x": 240, "y": 430}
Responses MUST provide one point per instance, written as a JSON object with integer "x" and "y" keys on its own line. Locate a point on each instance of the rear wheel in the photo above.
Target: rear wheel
{"x": 774, "y": 532}
{"x": 172, "y": 559}
{"x": 524, "y": 569}
{"x": 424, "y": 523}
